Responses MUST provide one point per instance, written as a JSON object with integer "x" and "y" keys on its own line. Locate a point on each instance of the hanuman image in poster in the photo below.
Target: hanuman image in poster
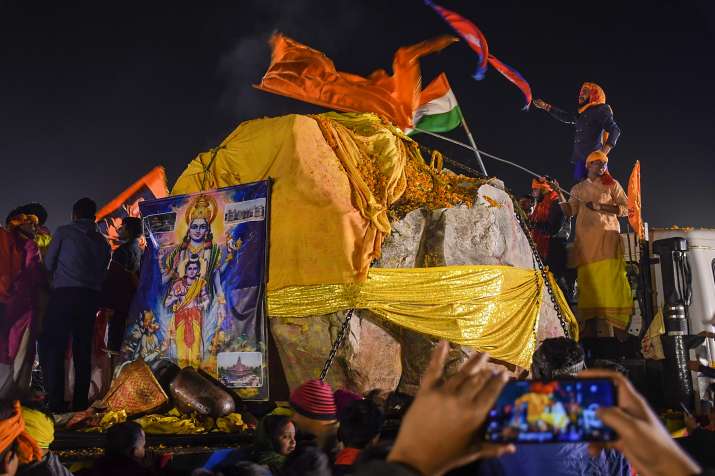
{"x": 200, "y": 301}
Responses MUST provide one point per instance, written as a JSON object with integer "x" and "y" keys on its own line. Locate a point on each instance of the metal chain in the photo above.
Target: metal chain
{"x": 521, "y": 218}
{"x": 337, "y": 344}
{"x": 535, "y": 255}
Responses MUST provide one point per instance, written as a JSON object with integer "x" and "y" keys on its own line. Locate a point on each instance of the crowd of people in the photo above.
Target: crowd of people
{"x": 53, "y": 287}
{"x": 340, "y": 433}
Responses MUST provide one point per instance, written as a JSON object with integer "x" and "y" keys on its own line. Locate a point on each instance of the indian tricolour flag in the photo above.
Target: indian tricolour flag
{"x": 438, "y": 110}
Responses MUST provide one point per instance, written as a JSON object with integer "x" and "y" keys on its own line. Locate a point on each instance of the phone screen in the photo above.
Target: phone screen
{"x": 553, "y": 411}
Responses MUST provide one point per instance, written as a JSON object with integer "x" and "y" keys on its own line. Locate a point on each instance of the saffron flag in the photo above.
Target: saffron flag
{"x": 300, "y": 72}
{"x": 126, "y": 204}
{"x": 438, "y": 110}
{"x": 634, "y": 200}
{"x": 478, "y": 43}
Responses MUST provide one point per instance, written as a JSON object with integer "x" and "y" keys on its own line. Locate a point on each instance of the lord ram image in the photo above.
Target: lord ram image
{"x": 202, "y": 280}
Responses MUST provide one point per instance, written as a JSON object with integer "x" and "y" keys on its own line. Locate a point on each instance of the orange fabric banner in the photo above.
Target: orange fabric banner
{"x": 126, "y": 204}
{"x": 634, "y": 200}
{"x": 300, "y": 72}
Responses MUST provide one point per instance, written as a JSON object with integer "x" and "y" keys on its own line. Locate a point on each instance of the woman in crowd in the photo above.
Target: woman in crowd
{"x": 274, "y": 441}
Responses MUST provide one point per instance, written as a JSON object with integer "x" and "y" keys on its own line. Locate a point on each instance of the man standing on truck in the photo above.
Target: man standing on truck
{"x": 595, "y": 127}
{"x": 604, "y": 297}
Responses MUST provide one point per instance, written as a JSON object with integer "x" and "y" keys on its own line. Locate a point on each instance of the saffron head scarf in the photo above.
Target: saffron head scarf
{"x": 606, "y": 178}
{"x": 596, "y": 155}
{"x": 21, "y": 219}
{"x": 594, "y": 93}
{"x": 12, "y": 430}
{"x": 541, "y": 183}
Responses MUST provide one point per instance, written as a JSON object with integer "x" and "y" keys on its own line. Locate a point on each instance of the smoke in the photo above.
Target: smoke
{"x": 328, "y": 27}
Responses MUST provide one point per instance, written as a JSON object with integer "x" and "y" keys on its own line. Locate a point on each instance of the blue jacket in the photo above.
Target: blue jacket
{"x": 588, "y": 136}
{"x": 78, "y": 256}
{"x": 589, "y": 125}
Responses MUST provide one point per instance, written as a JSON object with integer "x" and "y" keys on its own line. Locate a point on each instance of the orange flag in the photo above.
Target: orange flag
{"x": 126, "y": 204}
{"x": 302, "y": 73}
{"x": 634, "y": 200}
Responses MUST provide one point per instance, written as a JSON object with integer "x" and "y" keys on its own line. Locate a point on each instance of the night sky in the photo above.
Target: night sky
{"x": 94, "y": 95}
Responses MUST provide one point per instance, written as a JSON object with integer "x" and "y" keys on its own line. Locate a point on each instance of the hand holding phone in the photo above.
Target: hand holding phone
{"x": 551, "y": 411}
{"x": 642, "y": 438}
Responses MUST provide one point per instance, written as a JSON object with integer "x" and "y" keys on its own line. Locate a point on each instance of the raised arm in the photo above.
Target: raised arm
{"x": 555, "y": 112}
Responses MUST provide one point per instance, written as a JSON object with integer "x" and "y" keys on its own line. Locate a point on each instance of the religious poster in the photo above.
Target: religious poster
{"x": 200, "y": 301}
{"x": 126, "y": 204}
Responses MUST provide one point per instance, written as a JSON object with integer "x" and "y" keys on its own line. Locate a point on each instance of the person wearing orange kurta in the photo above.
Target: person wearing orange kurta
{"x": 597, "y": 202}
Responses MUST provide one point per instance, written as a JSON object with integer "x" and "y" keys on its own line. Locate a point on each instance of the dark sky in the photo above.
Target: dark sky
{"x": 94, "y": 95}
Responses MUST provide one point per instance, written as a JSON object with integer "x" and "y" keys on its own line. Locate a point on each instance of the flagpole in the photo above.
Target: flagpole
{"x": 471, "y": 141}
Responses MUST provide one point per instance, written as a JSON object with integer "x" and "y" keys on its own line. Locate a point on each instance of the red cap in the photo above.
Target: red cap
{"x": 314, "y": 399}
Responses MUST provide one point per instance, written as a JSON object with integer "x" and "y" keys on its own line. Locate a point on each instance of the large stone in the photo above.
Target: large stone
{"x": 379, "y": 355}
{"x": 368, "y": 359}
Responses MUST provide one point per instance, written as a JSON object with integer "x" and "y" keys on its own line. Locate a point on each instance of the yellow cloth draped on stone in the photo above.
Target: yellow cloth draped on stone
{"x": 491, "y": 308}
{"x": 327, "y": 225}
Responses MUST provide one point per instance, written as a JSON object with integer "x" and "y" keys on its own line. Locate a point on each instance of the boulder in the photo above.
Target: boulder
{"x": 379, "y": 355}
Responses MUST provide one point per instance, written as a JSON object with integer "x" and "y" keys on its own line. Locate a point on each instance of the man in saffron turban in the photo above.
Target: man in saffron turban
{"x": 604, "y": 295}
{"x": 595, "y": 127}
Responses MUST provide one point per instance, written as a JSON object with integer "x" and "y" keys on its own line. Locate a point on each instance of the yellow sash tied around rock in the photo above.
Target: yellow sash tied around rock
{"x": 494, "y": 309}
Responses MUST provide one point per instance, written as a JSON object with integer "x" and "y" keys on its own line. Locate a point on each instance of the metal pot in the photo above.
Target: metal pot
{"x": 192, "y": 392}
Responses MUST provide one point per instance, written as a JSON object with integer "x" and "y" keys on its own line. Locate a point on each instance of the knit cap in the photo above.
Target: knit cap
{"x": 314, "y": 399}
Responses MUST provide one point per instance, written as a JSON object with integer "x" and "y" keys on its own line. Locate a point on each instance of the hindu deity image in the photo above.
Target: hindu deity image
{"x": 188, "y": 300}
{"x": 144, "y": 339}
{"x": 193, "y": 272}
{"x": 200, "y": 297}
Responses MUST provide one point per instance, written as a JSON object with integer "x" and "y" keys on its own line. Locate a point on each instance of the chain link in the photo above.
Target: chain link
{"x": 521, "y": 218}
{"x": 337, "y": 344}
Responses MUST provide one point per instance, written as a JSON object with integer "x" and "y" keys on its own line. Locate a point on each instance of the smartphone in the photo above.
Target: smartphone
{"x": 551, "y": 411}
